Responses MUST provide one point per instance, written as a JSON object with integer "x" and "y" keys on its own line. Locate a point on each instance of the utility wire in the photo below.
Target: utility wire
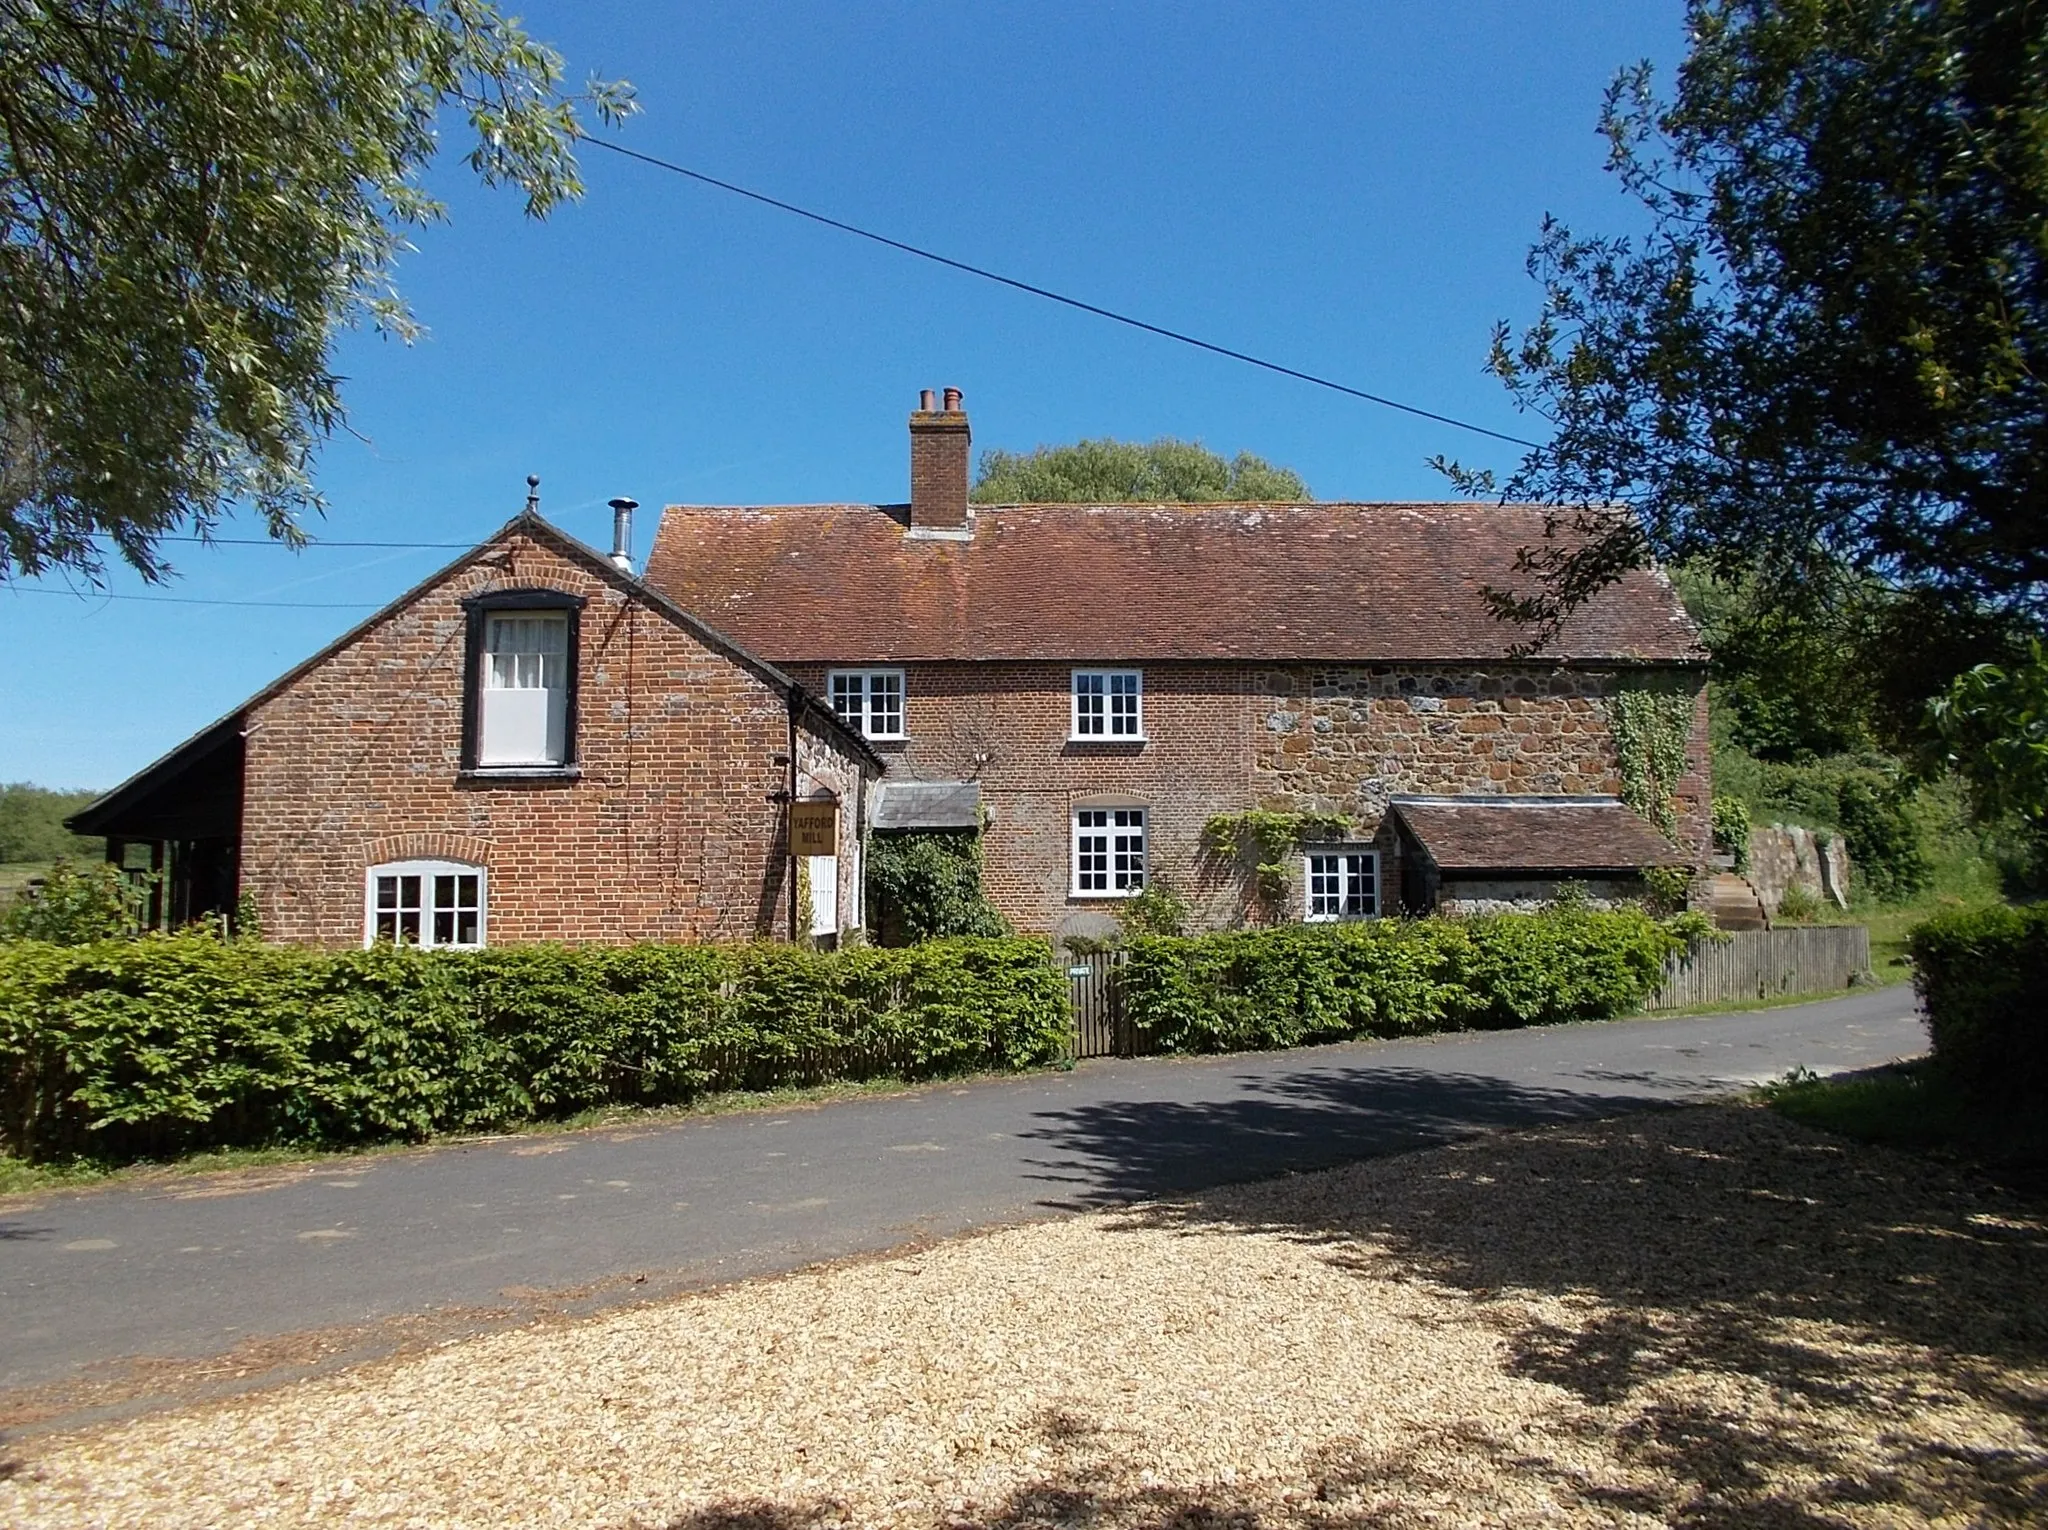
{"x": 1055, "y": 297}
{"x": 309, "y": 542}
{"x": 194, "y": 600}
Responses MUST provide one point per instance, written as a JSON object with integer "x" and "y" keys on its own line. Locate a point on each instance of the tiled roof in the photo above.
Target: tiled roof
{"x": 1533, "y": 834}
{"x": 1360, "y": 582}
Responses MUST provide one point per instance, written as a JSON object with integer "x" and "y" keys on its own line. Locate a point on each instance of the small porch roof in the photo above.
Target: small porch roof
{"x": 1532, "y": 836}
{"x": 927, "y": 805}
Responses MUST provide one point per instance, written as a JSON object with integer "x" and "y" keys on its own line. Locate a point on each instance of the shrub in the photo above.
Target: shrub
{"x": 1248, "y": 989}
{"x": 1798, "y": 905}
{"x": 166, "y": 1043}
{"x": 925, "y": 884}
{"x": 74, "y": 908}
{"x": 1983, "y": 975}
{"x": 1731, "y": 829}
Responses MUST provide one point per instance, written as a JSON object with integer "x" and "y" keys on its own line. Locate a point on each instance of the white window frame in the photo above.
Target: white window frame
{"x": 1098, "y": 722}
{"x": 531, "y": 668}
{"x": 862, "y": 719}
{"x": 428, "y": 906}
{"x": 1115, "y": 830}
{"x": 1343, "y": 854}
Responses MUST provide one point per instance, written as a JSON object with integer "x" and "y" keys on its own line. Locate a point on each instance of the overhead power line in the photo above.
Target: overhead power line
{"x": 194, "y": 600}
{"x": 311, "y": 542}
{"x": 1057, "y": 297}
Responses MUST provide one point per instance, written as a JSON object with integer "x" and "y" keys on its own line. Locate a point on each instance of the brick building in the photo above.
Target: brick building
{"x": 530, "y": 745}
{"x": 1094, "y": 683}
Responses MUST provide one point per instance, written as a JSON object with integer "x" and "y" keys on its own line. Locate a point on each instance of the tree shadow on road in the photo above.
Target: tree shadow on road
{"x": 1125, "y": 1150}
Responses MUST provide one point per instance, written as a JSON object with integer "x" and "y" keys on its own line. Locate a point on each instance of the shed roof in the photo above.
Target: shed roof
{"x": 1531, "y": 834}
{"x": 1334, "y": 581}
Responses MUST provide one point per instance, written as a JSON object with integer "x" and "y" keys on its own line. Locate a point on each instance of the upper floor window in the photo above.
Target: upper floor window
{"x": 425, "y": 903}
{"x": 519, "y": 708}
{"x": 1341, "y": 884}
{"x": 870, "y": 699}
{"x": 1109, "y": 705}
{"x": 1109, "y": 852}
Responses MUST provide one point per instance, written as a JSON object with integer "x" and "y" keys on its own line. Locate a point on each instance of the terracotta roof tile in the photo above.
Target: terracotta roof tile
{"x": 1521, "y": 834}
{"x": 1359, "y": 582}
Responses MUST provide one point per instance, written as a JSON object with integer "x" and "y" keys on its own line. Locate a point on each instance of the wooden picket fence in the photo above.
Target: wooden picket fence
{"x": 1765, "y": 964}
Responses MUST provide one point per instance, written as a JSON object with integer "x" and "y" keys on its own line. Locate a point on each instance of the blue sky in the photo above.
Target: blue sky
{"x": 1349, "y": 189}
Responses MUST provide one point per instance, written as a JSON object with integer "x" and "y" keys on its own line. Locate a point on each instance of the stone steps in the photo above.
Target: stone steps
{"x": 1733, "y": 904}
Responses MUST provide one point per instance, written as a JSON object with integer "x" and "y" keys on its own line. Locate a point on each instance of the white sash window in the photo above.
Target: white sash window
{"x": 524, "y": 707}
{"x": 425, "y": 903}
{"x": 1109, "y": 852}
{"x": 1341, "y": 885}
{"x": 1109, "y": 705}
{"x": 871, "y": 700}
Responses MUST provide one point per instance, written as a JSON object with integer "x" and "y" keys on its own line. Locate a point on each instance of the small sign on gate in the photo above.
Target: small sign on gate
{"x": 1081, "y": 971}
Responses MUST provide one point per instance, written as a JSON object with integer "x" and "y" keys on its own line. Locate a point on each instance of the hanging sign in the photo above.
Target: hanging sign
{"x": 814, "y": 828}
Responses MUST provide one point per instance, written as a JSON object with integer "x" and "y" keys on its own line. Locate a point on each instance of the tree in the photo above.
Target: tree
{"x": 1822, "y": 372}
{"x": 195, "y": 197}
{"x": 32, "y": 823}
{"x": 1107, "y": 472}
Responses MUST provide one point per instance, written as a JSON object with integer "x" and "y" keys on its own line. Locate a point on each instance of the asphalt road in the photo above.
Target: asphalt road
{"x": 94, "y": 1283}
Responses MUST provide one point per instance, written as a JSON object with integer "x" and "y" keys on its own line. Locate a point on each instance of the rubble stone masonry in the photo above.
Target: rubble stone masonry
{"x": 670, "y": 830}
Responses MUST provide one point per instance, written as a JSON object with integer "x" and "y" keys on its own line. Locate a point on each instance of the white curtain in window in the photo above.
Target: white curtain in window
{"x": 525, "y": 700}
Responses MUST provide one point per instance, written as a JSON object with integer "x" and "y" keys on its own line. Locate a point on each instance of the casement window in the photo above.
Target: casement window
{"x": 1109, "y": 852}
{"x": 424, "y": 903}
{"x": 519, "y": 705}
{"x": 1341, "y": 884}
{"x": 871, "y": 700}
{"x": 1109, "y": 705}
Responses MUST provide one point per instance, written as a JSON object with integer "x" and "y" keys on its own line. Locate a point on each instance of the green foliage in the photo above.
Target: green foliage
{"x": 1651, "y": 726}
{"x": 75, "y": 908}
{"x": 1983, "y": 976}
{"x": 1816, "y": 371}
{"x": 1248, "y": 989}
{"x": 1797, "y": 905}
{"x": 1263, "y": 839}
{"x": 1884, "y": 840}
{"x": 32, "y": 824}
{"x": 1731, "y": 829}
{"x": 1666, "y": 888}
{"x": 1109, "y": 472}
{"x": 1993, "y": 723}
{"x": 194, "y": 201}
{"x": 1156, "y": 910}
{"x": 151, "y": 1046}
{"x": 925, "y": 884}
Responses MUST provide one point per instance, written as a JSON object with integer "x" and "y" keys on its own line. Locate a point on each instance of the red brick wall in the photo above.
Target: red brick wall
{"x": 1222, "y": 738}
{"x": 671, "y": 832}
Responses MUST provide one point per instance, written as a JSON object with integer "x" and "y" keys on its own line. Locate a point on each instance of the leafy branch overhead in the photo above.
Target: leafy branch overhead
{"x": 1823, "y": 371}
{"x": 194, "y": 200}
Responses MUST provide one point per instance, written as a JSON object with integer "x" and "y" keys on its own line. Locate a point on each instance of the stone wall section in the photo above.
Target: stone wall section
{"x": 1783, "y": 856}
{"x": 671, "y": 831}
{"x": 1222, "y": 738}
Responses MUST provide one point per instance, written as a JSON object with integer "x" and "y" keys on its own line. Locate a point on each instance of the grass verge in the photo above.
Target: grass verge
{"x": 1914, "y": 1107}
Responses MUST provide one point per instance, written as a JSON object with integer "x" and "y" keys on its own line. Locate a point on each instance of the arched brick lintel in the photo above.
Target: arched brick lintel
{"x": 429, "y": 847}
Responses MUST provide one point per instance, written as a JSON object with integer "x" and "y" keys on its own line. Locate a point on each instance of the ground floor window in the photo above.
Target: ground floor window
{"x": 425, "y": 903}
{"x": 1341, "y": 884}
{"x": 1109, "y": 851}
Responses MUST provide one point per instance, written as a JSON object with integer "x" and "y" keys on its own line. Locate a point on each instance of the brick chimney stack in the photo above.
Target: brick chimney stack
{"x": 939, "y": 441}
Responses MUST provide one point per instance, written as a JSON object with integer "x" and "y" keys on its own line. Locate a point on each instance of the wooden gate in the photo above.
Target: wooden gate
{"x": 1098, "y": 1013}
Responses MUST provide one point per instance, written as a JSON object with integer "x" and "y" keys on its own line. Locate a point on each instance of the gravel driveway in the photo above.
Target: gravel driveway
{"x": 1704, "y": 1316}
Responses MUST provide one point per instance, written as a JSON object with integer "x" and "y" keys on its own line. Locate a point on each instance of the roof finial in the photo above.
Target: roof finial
{"x": 533, "y": 494}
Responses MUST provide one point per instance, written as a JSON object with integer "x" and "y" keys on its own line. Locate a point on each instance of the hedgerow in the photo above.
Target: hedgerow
{"x": 137, "y": 1048}
{"x": 1280, "y": 987}
{"x": 1983, "y": 975}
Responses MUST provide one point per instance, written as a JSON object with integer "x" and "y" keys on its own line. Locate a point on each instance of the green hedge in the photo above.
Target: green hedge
{"x": 1983, "y": 975}
{"x": 159, "y": 1045}
{"x": 1283, "y": 987}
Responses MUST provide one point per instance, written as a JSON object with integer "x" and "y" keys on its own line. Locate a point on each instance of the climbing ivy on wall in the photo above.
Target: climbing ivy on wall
{"x": 1265, "y": 837}
{"x": 1650, "y": 725}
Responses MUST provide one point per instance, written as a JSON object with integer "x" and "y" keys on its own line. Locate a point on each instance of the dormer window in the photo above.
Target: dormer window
{"x": 870, "y": 700}
{"x": 1109, "y": 706}
{"x": 519, "y": 705}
